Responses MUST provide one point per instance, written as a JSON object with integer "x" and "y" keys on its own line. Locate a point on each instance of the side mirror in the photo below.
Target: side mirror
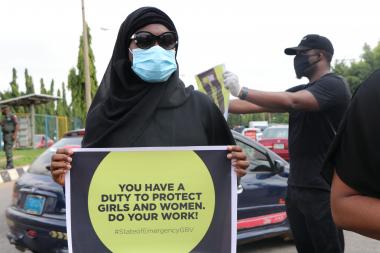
{"x": 279, "y": 167}
{"x": 261, "y": 168}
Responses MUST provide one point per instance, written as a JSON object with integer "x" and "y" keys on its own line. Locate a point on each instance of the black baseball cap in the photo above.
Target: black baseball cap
{"x": 311, "y": 41}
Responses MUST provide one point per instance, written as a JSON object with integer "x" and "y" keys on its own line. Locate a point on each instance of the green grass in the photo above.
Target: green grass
{"x": 21, "y": 157}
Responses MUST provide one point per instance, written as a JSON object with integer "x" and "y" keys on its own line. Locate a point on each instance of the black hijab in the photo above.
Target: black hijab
{"x": 124, "y": 103}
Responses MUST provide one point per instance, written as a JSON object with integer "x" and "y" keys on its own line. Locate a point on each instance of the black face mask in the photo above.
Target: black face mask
{"x": 302, "y": 66}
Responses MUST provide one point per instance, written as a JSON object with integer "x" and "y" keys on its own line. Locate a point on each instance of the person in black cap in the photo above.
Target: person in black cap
{"x": 315, "y": 111}
{"x": 353, "y": 162}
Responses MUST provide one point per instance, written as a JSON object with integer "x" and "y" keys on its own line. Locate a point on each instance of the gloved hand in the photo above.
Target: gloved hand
{"x": 231, "y": 82}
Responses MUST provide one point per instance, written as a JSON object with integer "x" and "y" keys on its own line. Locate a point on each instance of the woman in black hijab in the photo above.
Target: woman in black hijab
{"x": 353, "y": 163}
{"x": 141, "y": 102}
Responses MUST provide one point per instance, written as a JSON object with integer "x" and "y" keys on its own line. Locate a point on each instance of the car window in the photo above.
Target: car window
{"x": 275, "y": 133}
{"x": 69, "y": 141}
{"x": 40, "y": 164}
{"x": 258, "y": 161}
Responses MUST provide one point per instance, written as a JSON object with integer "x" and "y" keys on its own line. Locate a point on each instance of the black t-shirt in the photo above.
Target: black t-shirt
{"x": 355, "y": 153}
{"x": 311, "y": 132}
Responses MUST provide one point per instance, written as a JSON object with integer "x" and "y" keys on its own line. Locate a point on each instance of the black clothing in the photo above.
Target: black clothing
{"x": 311, "y": 132}
{"x": 311, "y": 222}
{"x": 355, "y": 153}
{"x": 124, "y": 103}
{"x": 8, "y": 127}
{"x": 129, "y": 112}
{"x": 308, "y": 197}
{"x": 196, "y": 122}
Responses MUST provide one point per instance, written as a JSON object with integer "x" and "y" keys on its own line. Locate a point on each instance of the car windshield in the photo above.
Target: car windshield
{"x": 68, "y": 141}
{"x": 275, "y": 133}
{"x": 41, "y": 164}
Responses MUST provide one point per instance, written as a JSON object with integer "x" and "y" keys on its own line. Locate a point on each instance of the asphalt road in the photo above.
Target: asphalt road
{"x": 354, "y": 242}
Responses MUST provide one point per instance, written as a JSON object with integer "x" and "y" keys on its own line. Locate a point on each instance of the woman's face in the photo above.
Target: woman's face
{"x": 156, "y": 29}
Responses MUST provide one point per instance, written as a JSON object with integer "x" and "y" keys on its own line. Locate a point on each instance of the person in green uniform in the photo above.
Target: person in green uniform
{"x": 9, "y": 127}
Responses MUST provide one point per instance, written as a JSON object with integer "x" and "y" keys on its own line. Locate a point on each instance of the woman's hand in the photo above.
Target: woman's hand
{"x": 60, "y": 164}
{"x": 238, "y": 160}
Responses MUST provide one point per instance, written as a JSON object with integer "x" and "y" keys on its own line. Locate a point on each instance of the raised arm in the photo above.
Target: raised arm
{"x": 262, "y": 101}
{"x": 241, "y": 106}
{"x": 283, "y": 101}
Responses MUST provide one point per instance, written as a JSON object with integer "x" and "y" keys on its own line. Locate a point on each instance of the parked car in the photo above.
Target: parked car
{"x": 276, "y": 139}
{"x": 238, "y": 129}
{"x": 253, "y": 133}
{"x": 258, "y": 124}
{"x": 261, "y": 194}
{"x": 36, "y": 217}
{"x": 40, "y": 141}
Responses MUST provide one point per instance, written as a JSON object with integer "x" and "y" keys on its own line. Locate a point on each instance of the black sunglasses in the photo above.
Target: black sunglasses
{"x": 145, "y": 40}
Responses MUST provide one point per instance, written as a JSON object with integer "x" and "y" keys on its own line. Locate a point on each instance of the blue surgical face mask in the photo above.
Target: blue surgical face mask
{"x": 155, "y": 64}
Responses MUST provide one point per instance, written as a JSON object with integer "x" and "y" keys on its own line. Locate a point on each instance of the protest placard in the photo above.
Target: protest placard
{"x": 211, "y": 83}
{"x": 151, "y": 200}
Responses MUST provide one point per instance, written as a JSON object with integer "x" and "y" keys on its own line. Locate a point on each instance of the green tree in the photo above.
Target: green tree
{"x": 41, "y": 109}
{"x": 244, "y": 119}
{"x": 279, "y": 118}
{"x": 51, "y": 91}
{"x": 14, "y": 85}
{"x": 28, "y": 83}
{"x": 14, "y": 92}
{"x": 42, "y": 87}
{"x": 62, "y": 107}
{"x": 76, "y": 106}
{"x": 76, "y": 81}
{"x": 356, "y": 71}
{"x": 50, "y": 107}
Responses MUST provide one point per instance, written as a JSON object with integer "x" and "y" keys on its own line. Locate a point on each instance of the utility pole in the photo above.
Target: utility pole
{"x": 86, "y": 61}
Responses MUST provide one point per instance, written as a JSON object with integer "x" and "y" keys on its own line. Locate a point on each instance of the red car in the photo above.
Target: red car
{"x": 276, "y": 139}
{"x": 252, "y": 133}
{"x": 40, "y": 141}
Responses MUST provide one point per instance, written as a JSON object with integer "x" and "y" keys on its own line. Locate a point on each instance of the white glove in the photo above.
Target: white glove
{"x": 231, "y": 82}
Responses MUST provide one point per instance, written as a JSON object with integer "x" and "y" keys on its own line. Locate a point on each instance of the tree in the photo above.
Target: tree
{"x": 28, "y": 83}
{"x": 356, "y": 72}
{"x": 50, "y": 107}
{"x": 62, "y": 107}
{"x": 76, "y": 99}
{"x": 14, "y": 92}
{"x": 14, "y": 85}
{"x": 42, "y": 87}
{"x": 244, "y": 119}
{"x": 76, "y": 81}
{"x": 41, "y": 109}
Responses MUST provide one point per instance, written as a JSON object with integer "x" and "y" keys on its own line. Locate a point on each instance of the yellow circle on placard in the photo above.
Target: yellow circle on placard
{"x": 151, "y": 201}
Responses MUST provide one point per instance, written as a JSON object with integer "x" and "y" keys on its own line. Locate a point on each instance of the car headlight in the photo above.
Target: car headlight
{"x": 15, "y": 195}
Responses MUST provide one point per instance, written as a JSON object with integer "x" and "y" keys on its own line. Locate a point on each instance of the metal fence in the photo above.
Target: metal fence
{"x": 47, "y": 129}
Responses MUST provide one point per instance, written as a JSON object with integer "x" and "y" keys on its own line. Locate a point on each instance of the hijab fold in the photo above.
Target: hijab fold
{"x": 124, "y": 104}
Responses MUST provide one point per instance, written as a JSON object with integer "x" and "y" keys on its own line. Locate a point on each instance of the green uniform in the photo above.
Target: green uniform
{"x": 8, "y": 126}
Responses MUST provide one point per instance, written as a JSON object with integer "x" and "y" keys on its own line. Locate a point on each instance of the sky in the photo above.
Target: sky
{"x": 249, "y": 37}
